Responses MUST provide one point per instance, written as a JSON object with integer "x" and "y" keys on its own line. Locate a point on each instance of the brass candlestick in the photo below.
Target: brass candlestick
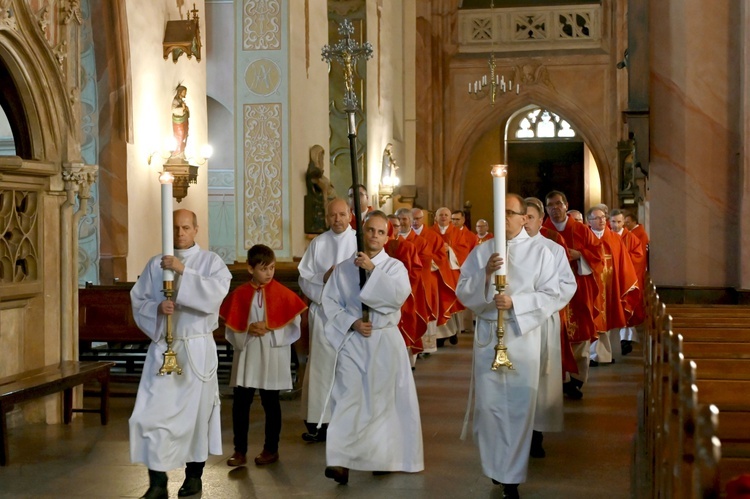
{"x": 170, "y": 364}
{"x": 501, "y": 351}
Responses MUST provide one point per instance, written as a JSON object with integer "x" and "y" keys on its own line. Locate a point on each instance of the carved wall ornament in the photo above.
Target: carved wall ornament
{"x": 43, "y": 18}
{"x": 533, "y": 74}
{"x": 61, "y": 53}
{"x": 19, "y": 260}
{"x": 7, "y": 16}
{"x": 72, "y": 11}
{"x": 263, "y": 184}
{"x": 261, "y": 25}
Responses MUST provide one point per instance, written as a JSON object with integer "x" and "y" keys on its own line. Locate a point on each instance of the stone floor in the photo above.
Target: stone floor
{"x": 591, "y": 459}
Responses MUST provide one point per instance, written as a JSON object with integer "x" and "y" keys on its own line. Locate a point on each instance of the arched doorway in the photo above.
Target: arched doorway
{"x": 544, "y": 151}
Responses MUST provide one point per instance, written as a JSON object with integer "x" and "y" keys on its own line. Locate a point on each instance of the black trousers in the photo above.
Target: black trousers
{"x": 243, "y": 399}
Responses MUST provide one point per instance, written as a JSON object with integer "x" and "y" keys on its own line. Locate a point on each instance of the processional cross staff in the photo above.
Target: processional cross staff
{"x": 346, "y": 51}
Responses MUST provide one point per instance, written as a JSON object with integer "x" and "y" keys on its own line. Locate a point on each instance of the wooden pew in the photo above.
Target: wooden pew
{"x": 696, "y": 360}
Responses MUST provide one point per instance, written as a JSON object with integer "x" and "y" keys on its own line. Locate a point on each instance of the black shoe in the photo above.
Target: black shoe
{"x": 495, "y": 482}
{"x": 380, "y": 473}
{"x": 510, "y": 491}
{"x": 537, "y": 450}
{"x": 338, "y": 473}
{"x": 191, "y": 486}
{"x": 572, "y": 391}
{"x": 314, "y": 437}
{"x": 593, "y": 363}
{"x": 626, "y": 346}
{"x": 453, "y": 339}
{"x": 440, "y": 342}
{"x": 156, "y": 492}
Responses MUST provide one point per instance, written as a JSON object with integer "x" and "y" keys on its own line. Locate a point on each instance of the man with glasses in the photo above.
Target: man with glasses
{"x": 447, "y": 324}
{"x": 586, "y": 260}
{"x": 483, "y": 231}
{"x": 619, "y": 281}
{"x": 505, "y": 400}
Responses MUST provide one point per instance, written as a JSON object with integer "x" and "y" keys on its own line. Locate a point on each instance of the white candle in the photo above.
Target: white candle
{"x": 484, "y": 80}
{"x": 498, "y": 192}
{"x": 469, "y": 87}
{"x": 497, "y": 80}
{"x": 518, "y": 88}
{"x": 167, "y": 225}
{"x": 475, "y": 87}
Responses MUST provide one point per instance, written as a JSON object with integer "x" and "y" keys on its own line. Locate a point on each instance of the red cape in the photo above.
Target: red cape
{"x": 618, "y": 294}
{"x": 282, "y": 305}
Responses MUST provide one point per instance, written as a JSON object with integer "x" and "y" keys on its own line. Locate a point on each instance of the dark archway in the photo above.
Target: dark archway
{"x": 10, "y": 101}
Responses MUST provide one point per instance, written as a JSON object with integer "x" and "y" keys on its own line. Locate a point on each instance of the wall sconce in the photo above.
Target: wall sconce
{"x": 183, "y": 169}
{"x": 183, "y": 36}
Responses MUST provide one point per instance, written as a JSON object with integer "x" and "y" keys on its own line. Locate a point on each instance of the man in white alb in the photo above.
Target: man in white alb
{"x": 325, "y": 252}
{"x": 176, "y": 419}
{"x": 375, "y": 424}
{"x": 505, "y": 400}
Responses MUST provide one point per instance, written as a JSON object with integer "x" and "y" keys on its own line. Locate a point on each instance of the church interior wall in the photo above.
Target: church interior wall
{"x": 695, "y": 142}
{"x": 154, "y": 81}
{"x": 308, "y": 96}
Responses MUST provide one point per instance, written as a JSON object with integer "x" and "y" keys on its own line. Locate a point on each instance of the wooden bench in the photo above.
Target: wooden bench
{"x": 44, "y": 381}
{"x": 695, "y": 420}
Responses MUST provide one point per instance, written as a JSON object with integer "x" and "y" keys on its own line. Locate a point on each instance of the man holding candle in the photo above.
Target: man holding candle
{"x": 505, "y": 400}
{"x": 176, "y": 419}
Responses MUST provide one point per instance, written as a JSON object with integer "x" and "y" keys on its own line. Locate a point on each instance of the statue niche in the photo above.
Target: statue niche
{"x": 319, "y": 192}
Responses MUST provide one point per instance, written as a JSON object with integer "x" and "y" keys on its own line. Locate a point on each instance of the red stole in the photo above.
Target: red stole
{"x": 281, "y": 306}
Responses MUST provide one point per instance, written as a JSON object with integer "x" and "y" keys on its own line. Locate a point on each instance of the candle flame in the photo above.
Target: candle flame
{"x": 166, "y": 178}
{"x": 499, "y": 170}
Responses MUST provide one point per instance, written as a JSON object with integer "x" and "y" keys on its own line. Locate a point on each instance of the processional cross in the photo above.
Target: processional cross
{"x": 346, "y": 52}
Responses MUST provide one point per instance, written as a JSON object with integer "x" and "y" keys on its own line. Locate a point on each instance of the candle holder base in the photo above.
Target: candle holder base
{"x": 170, "y": 363}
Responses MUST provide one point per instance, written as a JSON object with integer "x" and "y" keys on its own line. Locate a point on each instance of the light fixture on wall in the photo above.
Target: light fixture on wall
{"x": 183, "y": 37}
{"x": 492, "y": 85}
{"x": 183, "y": 167}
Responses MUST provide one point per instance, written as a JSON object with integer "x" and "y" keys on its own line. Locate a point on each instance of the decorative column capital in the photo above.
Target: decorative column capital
{"x": 79, "y": 177}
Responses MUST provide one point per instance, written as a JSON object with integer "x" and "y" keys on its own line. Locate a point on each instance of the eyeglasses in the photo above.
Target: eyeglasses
{"x": 510, "y": 213}
{"x": 598, "y": 218}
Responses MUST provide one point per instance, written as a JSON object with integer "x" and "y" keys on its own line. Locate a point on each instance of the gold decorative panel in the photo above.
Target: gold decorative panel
{"x": 19, "y": 260}
{"x": 261, "y": 25}
{"x": 263, "y": 185}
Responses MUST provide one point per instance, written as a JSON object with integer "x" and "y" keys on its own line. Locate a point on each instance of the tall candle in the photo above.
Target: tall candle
{"x": 167, "y": 225}
{"x": 499, "y": 173}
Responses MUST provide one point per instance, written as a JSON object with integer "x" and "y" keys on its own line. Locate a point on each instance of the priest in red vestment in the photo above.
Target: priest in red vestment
{"x": 413, "y": 323}
{"x": 483, "y": 231}
{"x": 618, "y": 291}
{"x": 451, "y": 239}
{"x": 586, "y": 261}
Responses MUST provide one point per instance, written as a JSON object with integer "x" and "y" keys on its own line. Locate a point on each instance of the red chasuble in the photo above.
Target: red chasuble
{"x": 582, "y": 312}
{"x": 430, "y": 292}
{"x": 413, "y": 323}
{"x": 451, "y": 237}
{"x": 566, "y": 350}
{"x": 353, "y": 220}
{"x": 618, "y": 290}
{"x": 464, "y": 242}
{"x": 486, "y": 238}
{"x": 282, "y": 305}
{"x": 638, "y": 257}
{"x": 443, "y": 280}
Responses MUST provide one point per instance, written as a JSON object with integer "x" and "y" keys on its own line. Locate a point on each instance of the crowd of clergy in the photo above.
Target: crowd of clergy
{"x": 574, "y": 289}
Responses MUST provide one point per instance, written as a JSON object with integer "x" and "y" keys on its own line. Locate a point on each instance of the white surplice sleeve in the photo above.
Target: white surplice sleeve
{"x": 386, "y": 290}
{"x": 238, "y": 339}
{"x": 310, "y": 277}
{"x": 536, "y": 301}
{"x": 340, "y": 302}
{"x": 474, "y": 289}
{"x": 145, "y": 298}
{"x": 204, "y": 293}
{"x": 286, "y": 335}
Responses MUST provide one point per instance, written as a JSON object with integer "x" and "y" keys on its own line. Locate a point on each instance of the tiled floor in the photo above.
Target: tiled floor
{"x": 591, "y": 459}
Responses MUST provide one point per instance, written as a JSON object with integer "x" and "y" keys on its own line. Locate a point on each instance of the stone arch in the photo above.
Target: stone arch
{"x": 591, "y": 133}
{"x": 40, "y": 88}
